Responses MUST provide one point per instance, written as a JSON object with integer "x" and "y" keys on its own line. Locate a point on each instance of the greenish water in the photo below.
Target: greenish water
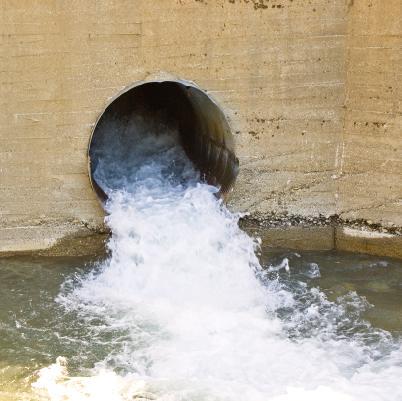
{"x": 35, "y": 329}
{"x": 377, "y": 279}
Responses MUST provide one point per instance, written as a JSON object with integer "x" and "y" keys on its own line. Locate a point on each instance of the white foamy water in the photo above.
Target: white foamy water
{"x": 192, "y": 313}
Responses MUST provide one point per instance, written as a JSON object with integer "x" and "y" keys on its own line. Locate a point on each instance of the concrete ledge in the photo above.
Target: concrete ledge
{"x": 299, "y": 238}
{"x": 370, "y": 242}
{"x": 52, "y": 240}
{"x": 285, "y": 232}
{"x": 325, "y": 233}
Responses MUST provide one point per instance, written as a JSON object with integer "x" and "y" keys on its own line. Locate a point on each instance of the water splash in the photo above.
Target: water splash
{"x": 192, "y": 313}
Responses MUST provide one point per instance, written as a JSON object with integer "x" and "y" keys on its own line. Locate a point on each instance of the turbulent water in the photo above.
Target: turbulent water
{"x": 187, "y": 313}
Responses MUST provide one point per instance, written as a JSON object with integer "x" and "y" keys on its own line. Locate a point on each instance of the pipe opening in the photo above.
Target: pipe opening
{"x": 200, "y": 126}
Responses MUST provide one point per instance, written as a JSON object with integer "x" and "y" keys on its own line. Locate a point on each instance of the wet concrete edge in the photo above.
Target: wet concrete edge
{"x": 285, "y": 231}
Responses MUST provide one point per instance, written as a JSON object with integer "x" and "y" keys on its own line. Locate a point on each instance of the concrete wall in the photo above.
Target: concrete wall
{"x": 312, "y": 90}
{"x": 370, "y": 183}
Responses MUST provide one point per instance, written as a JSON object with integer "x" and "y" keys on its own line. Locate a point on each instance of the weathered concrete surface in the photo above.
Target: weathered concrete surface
{"x": 312, "y": 89}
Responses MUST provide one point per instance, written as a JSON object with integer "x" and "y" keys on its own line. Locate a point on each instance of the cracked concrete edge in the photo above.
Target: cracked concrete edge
{"x": 276, "y": 231}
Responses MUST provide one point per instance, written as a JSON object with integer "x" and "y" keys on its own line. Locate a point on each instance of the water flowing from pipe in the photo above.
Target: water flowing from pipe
{"x": 193, "y": 315}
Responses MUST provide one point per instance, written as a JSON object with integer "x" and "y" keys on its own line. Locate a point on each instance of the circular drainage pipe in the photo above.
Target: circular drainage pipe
{"x": 203, "y": 129}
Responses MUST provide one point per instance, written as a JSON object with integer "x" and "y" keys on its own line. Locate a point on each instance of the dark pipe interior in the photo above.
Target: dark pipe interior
{"x": 204, "y": 132}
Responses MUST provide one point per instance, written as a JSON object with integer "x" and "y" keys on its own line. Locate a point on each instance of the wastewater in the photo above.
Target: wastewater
{"x": 187, "y": 306}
